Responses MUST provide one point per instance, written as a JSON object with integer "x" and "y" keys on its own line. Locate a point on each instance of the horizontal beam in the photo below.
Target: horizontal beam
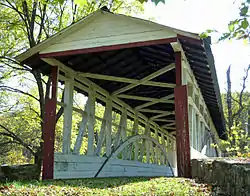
{"x": 125, "y": 80}
{"x": 169, "y": 124}
{"x": 151, "y": 111}
{"x": 147, "y": 78}
{"x": 161, "y": 100}
{"x": 153, "y": 102}
{"x": 164, "y": 120}
{"x": 169, "y": 128}
{"x": 162, "y": 115}
{"x": 116, "y": 101}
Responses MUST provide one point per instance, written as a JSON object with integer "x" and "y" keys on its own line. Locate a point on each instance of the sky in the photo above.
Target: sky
{"x": 199, "y": 15}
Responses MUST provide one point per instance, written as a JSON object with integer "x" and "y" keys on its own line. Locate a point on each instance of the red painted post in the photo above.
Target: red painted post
{"x": 182, "y": 132}
{"x": 178, "y": 71}
{"x": 181, "y": 118}
{"x": 49, "y": 130}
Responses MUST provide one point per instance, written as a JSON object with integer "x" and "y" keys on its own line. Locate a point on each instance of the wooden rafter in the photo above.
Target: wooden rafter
{"x": 151, "y": 111}
{"x": 161, "y": 100}
{"x": 117, "y": 103}
{"x": 162, "y": 115}
{"x": 145, "y": 79}
{"x": 163, "y": 120}
{"x": 125, "y": 80}
{"x": 153, "y": 102}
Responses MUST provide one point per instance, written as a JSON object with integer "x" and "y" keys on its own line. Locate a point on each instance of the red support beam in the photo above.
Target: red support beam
{"x": 181, "y": 119}
{"x": 49, "y": 129}
{"x": 178, "y": 71}
{"x": 182, "y": 132}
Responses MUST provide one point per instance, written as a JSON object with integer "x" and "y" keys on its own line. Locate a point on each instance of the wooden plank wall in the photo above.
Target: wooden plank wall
{"x": 82, "y": 166}
{"x": 151, "y": 153}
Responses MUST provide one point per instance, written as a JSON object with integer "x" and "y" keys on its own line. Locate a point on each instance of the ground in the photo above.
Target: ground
{"x": 107, "y": 186}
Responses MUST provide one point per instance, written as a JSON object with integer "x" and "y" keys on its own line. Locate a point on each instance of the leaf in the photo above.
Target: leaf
{"x": 203, "y": 35}
{"x": 60, "y": 1}
{"x": 243, "y": 11}
{"x": 231, "y": 26}
{"x": 158, "y": 1}
{"x": 142, "y": 1}
{"x": 244, "y": 24}
{"x": 80, "y": 2}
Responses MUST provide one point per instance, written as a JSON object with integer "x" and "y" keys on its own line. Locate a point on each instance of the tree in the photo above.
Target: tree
{"x": 237, "y": 109}
{"x": 25, "y": 24}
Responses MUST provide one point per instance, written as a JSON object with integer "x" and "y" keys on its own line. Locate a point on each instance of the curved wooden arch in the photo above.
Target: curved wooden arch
{"x": 131, "y": 140}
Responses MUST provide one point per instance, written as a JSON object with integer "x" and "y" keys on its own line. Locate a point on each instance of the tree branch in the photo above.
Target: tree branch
{"x": 8, "y": 88}
{"x": 15, "y": 137}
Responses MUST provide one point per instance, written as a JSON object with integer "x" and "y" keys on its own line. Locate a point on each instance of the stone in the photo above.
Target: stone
{"x": 20, "y": 172}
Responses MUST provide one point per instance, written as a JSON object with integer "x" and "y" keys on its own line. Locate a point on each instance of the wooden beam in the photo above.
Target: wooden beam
{"x": 169, "y": 125}
{"x": 162, "y": 115}
{"x": 104, "y": 95}
{"x": 153, "y": 102}
{"x": 182, "y": 132}
{"x": 109, "y": 127}
{"x": 164, "y": 120}
{"x": 135, "y": 131}
{"x": 49, "y": 130}
{"x": 67, "y": 123}
{"x": 81, "y": 132}
{"x": 125, "y": 80}
{"x": 91, "y": 121}
{"x": 151, "y": 111}
{"x": 169, "y": 128}
{"x": 160, "y": 100}
{"x": 147, "y": 78}
{"x": 109, "y": 48}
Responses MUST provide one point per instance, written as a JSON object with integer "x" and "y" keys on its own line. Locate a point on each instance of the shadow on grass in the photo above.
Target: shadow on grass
{"x": 96, "y": 183}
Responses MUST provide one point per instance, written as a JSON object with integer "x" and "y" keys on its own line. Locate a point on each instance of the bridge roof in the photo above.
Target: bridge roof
{"x": 116, "y": 45}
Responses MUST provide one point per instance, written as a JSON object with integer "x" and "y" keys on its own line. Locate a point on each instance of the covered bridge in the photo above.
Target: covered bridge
{"x": 160, "y": 81}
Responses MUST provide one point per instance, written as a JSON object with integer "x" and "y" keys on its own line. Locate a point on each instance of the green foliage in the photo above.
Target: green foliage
{"x": 23, "y": 24}
{"x": 237, "y": 143}
{"x": 238, "y": 28}
{"x": 108, "y": 186}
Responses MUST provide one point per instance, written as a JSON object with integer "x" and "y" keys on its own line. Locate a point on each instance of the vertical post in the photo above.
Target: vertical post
{"x": 181, "y": 118}
{"x": 91, "y": 122}
{"x": 49, "y": 129}
{"x": 68, "y": 109}
{"x": 109, "y": 127}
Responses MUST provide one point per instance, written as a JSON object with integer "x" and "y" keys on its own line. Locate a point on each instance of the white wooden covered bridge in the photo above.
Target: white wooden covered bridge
{"x": 159, "y": 79}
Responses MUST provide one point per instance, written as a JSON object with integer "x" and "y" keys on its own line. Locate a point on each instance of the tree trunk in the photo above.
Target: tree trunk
{"x": 38, "y": 161}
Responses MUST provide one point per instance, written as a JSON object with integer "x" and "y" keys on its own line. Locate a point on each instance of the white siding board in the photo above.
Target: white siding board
{"x": 110, "y": 29}
{"x": 82, "y": 166}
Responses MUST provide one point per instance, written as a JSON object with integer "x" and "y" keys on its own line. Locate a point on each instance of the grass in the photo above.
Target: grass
{"x": 107, "y": 186}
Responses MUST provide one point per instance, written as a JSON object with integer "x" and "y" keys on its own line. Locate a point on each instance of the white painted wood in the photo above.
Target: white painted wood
{"x": 142, "y": 150}
{"x": 147, "y": 78}
{"x": 67, "y": 115}
{"x": 112, "y": 29}
{"x": 162, "y": 115}
{"x": 145, "y": 98}
{"x": 151, "y": 111}
{"x": 82, "y": 166}
{"x": 153, "y": 102}
{"x": 91, "y": 122}
{"x": 125, "y": 80}
{"x": 135, "y": 132}
{"x": 102, "y": 132}
{"x": 122, "y": 125}
{"x": 147, "y": 143}
{"x": 104, "y": 95}
{"x": 82, "y": 130}
{"x": 109, "y": 127}
{"x": 124, "y": 133}
{"x": 59, "y": 157}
